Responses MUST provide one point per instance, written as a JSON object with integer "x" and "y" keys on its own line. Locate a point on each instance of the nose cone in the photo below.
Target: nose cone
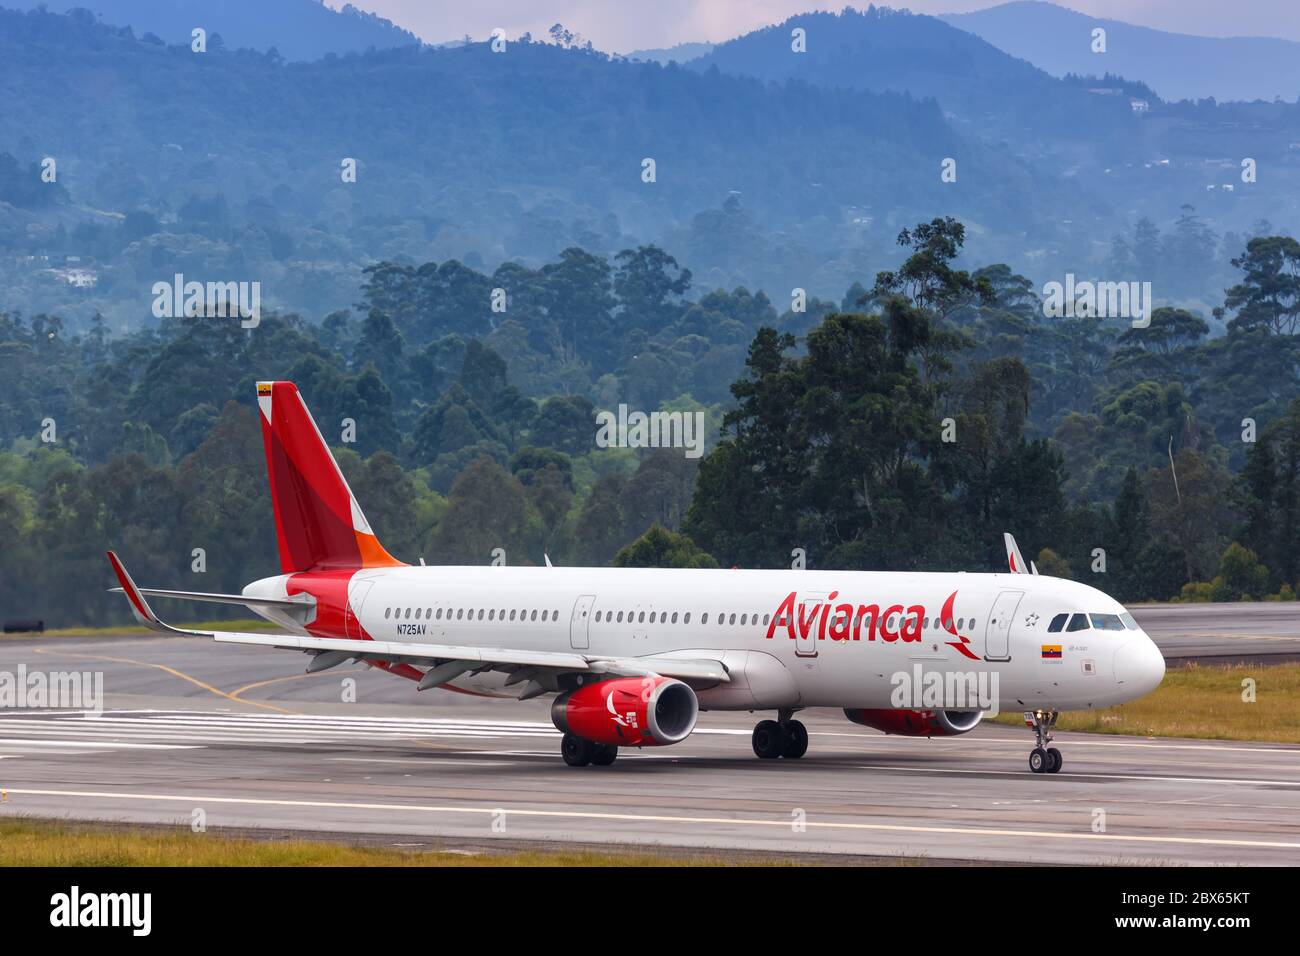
{"x": 1139, "y": 666}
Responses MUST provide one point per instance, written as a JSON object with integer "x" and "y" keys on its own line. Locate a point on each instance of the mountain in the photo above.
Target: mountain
{"x": 983, "y": 91}
{"x": 230, "y": 161}
{"x": 680, "y": 53}
{"x": 297, "y": 29}
{"x": 771, "y": 169}
{"x": 1176, "y": 66}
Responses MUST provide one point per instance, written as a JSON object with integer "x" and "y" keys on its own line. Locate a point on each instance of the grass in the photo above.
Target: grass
{"x": 250, "y": 624}
{"x": 1202, "y": 701}
{"x": 25, "y": 842}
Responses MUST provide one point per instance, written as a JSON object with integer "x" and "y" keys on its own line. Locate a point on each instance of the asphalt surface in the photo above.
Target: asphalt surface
{"x": 1267, "y": 632}
{"x": 241, "y": 737}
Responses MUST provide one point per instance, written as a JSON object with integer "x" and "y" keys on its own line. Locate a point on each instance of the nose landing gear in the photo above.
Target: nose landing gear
{"x": 1043, "y": 759}
{"x": 783, "y": 737}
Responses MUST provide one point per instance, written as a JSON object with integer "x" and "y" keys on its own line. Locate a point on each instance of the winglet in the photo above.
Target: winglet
{"x": 1017, "y": 563}
{"x": 139, "y": 606}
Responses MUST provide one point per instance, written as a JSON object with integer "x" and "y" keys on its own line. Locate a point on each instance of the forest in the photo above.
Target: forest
{"x": 905, "y": 426}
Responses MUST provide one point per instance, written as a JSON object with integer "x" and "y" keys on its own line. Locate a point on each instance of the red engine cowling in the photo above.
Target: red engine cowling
{"x": 628, "y": 711}
{"x": 917, "y": 723}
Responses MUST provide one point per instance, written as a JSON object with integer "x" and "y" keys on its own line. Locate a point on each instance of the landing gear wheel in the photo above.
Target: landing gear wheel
{"x": 796, "y": 740}
{"x": 577, "y": 751}
{"x": 1038, "y": 760}
{"x": 1054, "y": 760}
{"x": 1043, "y": 759}
{"x": 768, "y": 739}
{"x": 603, "y": 755}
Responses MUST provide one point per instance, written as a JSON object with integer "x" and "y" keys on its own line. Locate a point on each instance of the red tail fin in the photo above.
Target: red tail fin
{"x": 318, "y": 523}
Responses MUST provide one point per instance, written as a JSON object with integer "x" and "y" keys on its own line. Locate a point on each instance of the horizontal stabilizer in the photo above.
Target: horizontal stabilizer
{"x": 243, "y": 599}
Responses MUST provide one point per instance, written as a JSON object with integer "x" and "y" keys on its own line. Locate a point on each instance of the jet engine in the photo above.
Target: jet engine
{"x": 649, "y": 711}
{"x": 917, "y": 723}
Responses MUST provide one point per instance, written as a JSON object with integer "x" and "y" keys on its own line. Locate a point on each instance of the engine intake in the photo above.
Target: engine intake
{"x": 648, "y": 711}
{"x": 917, "y": 723}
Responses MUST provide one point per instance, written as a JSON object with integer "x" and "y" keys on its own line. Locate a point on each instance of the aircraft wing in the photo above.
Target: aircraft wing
{"x": 446, "y": 656}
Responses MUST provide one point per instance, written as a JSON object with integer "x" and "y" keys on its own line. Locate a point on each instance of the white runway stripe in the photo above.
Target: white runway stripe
{"x": 240, "y": 728}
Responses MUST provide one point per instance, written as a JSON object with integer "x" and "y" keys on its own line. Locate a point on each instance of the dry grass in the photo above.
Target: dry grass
{"x": 45, "y": 843}
{"x": 1203, "y": 701}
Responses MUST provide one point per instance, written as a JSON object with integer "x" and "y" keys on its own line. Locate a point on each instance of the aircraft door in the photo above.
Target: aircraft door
{"x": 580, "y": 621}
{"x": 997, "y": 634}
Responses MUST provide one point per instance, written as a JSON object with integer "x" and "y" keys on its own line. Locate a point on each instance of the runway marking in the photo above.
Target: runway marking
{"x": 784, "y": 824}
{"x": 1074, "y": 741}
{"x": 162, "y": 667}
{"x": 425, "y": 761}
{"x": 1089, "y": 776}
{"x": 38, "y": 742}
{"x": 238, "y": 692}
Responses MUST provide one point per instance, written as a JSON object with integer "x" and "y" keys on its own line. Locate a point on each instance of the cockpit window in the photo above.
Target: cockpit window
{"x": 1058, "y": 622}
{"x": 1127, "y": 618}
{"x": 1107, "y": 622}
{"x": 1078, "y": 622}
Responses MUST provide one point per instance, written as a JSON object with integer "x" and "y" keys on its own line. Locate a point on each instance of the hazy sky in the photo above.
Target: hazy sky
{"x": 619, "y": 26}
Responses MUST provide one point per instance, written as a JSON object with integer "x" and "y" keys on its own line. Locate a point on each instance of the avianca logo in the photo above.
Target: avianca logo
{"x": 962, "y": 644}
{"x": 629, "y": 720}
{"x": 844, "y": 622}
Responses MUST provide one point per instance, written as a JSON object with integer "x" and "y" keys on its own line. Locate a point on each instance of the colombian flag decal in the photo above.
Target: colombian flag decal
{"x": 1051, "y": 652}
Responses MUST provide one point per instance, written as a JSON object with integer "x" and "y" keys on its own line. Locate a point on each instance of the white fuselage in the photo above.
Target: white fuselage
{"x": 842, "y": 641}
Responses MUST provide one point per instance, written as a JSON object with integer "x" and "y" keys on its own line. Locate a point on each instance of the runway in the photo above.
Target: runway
{"x": 1264, "y": 632}
{"x": 243, "y": 736}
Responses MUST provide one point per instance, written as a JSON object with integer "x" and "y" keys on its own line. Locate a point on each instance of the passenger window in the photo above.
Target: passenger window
{"x": 534, "y": 617}
{"x": 767, "y": 618}
{"x": 597, "y": 617}
{"x": 733, "y": 619}
{"x": 641, "y": 618}
{"x": 512, "y": 614}
{"x": 687, "y": 618}
{"x": 652, "y": 617}
{"x": 408, "y": 613}
{"x": 388, "y": 612}
{"x": 1058, "y": 622}
{"x": 704, "y": 618}
{"x": 744, "y": 618}
{"x": 419, "y": 612}
{"x": 1078, "y": 622}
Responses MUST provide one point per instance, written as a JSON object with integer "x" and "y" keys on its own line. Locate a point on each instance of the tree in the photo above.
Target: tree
{"x": 1272, "y": 503}
{"x": 487, "y": 509}
{"x": 1268, "y": 297}
{"x": 658, "y": 548}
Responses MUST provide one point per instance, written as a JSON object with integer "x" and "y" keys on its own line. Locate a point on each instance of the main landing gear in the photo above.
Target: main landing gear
{"x": 1043, "y": 759}
{"x": 579, "y": 751}
{"x": 783, "y": 737}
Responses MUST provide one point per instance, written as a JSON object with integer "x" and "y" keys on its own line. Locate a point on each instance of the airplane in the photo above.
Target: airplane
{"x": 632, "y": 656}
